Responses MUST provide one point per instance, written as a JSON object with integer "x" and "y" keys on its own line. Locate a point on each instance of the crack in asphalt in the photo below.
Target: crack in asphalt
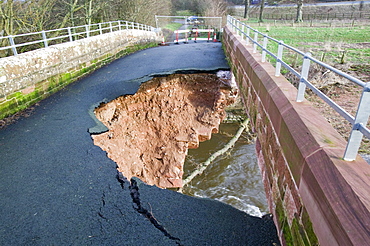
{"x": 135, "y": 195}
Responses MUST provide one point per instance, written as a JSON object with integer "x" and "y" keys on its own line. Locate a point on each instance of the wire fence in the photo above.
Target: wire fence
{"x": 314, "y": 16}
{"x": 259, "y": 41}
{"x": 15, "y": 44}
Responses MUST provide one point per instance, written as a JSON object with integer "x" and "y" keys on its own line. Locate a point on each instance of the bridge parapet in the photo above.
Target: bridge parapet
{"x": 315, "y": 196}
{"x": 29, "y": 77}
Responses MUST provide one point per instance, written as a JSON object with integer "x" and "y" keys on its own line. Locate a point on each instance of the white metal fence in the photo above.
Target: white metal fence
{"x": 29, "y": 41}
{"x": 359, "y": 122}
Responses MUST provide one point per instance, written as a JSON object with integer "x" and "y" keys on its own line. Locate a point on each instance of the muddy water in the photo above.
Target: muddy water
{"x": 233, "y": 178}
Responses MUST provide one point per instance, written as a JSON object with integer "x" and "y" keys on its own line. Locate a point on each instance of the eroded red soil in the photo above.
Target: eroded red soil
{"x": 151, "y": 131}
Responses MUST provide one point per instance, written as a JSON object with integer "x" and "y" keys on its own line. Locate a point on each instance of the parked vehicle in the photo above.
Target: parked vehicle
{"x": 195, "y": 20}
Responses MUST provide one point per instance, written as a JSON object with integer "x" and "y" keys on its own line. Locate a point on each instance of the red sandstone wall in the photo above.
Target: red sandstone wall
{"x": 315, "y": 196}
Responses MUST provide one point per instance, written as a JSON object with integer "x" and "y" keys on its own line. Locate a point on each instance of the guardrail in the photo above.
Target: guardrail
{"x": 359, "y": 122}
{"x": 67, "y": 34}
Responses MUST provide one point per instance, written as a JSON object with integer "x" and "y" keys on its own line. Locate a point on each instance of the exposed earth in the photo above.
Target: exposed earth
{"x": 150, "y": 132}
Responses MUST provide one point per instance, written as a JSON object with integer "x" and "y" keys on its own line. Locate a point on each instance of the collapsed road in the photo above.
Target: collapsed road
{"x": 58, "y": 188}
{"x": 150, "y": 132}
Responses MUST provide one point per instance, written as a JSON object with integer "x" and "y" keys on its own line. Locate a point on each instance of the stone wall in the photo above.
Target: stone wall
{"x": 29, "y": 77}
{"x": 315, "y": 197}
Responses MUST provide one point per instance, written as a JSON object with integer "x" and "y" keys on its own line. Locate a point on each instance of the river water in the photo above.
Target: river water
{"x": 233, "y": 178}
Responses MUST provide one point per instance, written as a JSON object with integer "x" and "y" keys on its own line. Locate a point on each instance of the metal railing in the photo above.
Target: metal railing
{"x": 68, "y": 34}
{"x": 359, "y": 122}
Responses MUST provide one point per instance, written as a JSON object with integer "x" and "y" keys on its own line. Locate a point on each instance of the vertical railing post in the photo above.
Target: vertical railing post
{"x": 255, "y": 40}
{"x": 362, "y": 117}
{"x": 70, "y": 34}
{"x": 119, "y": 25}
{"x": 100, "y": 29}
{"x": 87, "y": 31}
{"x": 237, "y": 28}
{"x": 110, "y": 26}
{"x": 126, "y": 24}
{"x": 133, "y": 25}
{"x": 279, "y": 58}
{"x": 44, "y": 38}
{"x": 243, "y": 32}
{"x": 248, "y": 34}
{"x": 264, "y": 45}
{"x": 12, "y": 43}
{"x": 304, "y": 75}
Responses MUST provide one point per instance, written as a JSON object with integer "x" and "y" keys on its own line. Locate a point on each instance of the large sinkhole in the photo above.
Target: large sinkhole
{"x": 150, "y": 132}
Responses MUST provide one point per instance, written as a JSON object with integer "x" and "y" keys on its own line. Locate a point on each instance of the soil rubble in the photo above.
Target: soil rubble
{"x": 151, "y": 131}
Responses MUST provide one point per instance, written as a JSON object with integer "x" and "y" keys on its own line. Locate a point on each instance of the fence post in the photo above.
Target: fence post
{"x": 119, "y": 25}
{"x": 255, "y": 40}
{"x": 126, "y": 24}
{"x": 12, "y": 43}
{"x": 70, "y": 34}
{"x": 100, "y": 29}
{"x": 279, "y": 58}
{"x": 44, "y": 38}
{"x": 264, "y": 45}
{"x": 110, "y": 26}
{"x": 304, "y": 75}
{"x": 362, "y": 116}
{"x": 87, "y": 31}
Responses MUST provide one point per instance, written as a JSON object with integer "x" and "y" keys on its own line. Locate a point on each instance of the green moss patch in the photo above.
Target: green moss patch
{"x": 18, "y": 101}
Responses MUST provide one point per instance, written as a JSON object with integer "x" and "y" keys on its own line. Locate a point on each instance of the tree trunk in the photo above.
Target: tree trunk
{"x": 299, "y": 11}
{"x": 7, "y": 15}
{"x": 88, "y": 11}
{"x": 247, "y": 4}
{"x": 261, "y": 11}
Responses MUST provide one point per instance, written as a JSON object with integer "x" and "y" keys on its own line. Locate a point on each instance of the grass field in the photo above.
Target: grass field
{"x": 331, "y": 41}
{"x": 346, "y": 48}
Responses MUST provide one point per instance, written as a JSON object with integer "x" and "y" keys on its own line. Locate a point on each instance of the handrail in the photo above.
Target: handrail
{"x": 359, "y": 122}
{"x": 71, "y": 33}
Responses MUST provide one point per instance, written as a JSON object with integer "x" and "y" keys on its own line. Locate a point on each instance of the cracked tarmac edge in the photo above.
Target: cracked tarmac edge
{"x": 135, "y": 195}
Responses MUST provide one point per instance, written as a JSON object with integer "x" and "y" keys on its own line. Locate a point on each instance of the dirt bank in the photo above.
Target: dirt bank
{"x": 151, "y": 131}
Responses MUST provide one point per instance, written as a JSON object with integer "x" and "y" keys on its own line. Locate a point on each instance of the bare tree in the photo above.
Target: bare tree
{"x": 247, "y": 5}
{"x": 41, "y": 15}
{"x": 143, "y": 11}
{"x": 88, "y": 11}
{"x": 299, "y": 17}
{"x": 212, "y": 7}
{"x": 37, "y": 15}
{"x": 7, "y": 17}
{"x": 262, "y": 7}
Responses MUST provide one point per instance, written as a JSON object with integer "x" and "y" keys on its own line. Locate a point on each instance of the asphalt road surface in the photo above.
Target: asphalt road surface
{"x": 57, "y": 188}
